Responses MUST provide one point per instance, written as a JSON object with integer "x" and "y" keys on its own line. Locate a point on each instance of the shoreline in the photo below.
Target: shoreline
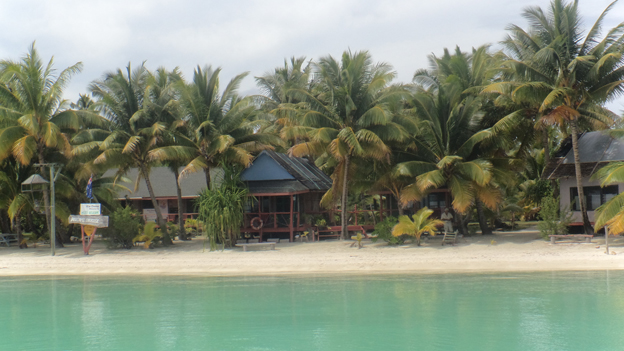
{"x": 513, "y": 252}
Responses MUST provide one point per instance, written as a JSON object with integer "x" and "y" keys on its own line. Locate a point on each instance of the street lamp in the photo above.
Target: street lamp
{"x": 37, "y": 184}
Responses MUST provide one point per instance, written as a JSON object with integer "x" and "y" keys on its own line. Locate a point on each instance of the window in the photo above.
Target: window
{"x": 435, "y": 200}
{"x": 594, "y": 196}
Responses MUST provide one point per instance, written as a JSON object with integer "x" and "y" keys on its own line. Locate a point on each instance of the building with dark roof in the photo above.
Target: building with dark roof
{"x": 284, "y": 188}
{"x": 596, "y": 149}
{"x": 287, "y": 194}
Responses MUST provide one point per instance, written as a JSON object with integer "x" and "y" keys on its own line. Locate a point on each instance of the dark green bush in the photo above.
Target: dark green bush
{"x": 125, "y": 224}
{"x": 383, "y": 231}
{"x": 554, "y": 221}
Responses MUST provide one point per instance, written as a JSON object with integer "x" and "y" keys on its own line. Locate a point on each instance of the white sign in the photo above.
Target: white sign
{"x": 96, "y": 221}
{"x": 90, "y": 209}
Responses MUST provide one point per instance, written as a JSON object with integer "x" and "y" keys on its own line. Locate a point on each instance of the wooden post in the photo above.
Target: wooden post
{"x": 607, "y": 238}
{"x": 381, "y": 207}
{"x": 298, "y": 212}
{"x": 292, "y": 202}
{"x": 84, "y": 247}
{"x": 260, "y": 216}
{"x": 356, "y": 215}
{"x": 87, "y": 246}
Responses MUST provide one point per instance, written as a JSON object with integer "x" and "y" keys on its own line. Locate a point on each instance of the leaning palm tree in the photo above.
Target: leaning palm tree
{"x": 419, "y": 224}
{"x": 565, "y": 78}
{"x": 346, "y": 116}
{"x": 136, "y": 130}
{"x": 36, "y": 116}
{"x": 162, "y": 103}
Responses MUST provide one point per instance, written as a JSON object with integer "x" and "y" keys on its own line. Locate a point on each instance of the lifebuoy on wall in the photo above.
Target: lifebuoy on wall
{"x": 256, "y": 223}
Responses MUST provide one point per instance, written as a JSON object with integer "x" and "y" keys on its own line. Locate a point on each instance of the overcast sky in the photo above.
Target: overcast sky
{"x": 256, "y": 36}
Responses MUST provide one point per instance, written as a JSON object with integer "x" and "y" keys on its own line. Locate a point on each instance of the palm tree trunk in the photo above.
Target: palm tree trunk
{"x": 344, "y": 216}
{"x": 485, "y": 228}
{"x": 46, "y": 196}
{"x": 159, "y": 218}
{"x": 181, "y": 232}
{"x": 579, "y": 178}
{"x": 207, "y": 173}
{"x": 18, "y": 230}
{"x": 546, "y": 144}
{"x": 462, "y": 221}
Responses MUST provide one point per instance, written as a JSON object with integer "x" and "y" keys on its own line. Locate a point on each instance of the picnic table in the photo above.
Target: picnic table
{"x": 7, "y": 239}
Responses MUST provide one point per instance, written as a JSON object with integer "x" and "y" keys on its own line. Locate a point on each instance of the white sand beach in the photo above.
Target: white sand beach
{"x": 511, "y": 251}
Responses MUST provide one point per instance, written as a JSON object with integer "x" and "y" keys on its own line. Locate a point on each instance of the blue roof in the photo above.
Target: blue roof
{"x": 272, "y": 172}
{"x": 265, "y": 168}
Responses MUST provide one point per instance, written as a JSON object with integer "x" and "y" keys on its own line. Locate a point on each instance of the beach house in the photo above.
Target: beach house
{"x": 596, "y": 149}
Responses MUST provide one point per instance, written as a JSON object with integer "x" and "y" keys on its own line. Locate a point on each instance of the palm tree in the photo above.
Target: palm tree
{"x": 31, "y": 103}
{"x": 281, "y": 99}
{"x": 419, "y": 224}
{"x": 347, "y": 117}
{"x": 12, "y": 200}
{"x": 564, "y": 77}
{"x": 611, "y": 214}
{"x": 221, "y": 128}
{"x": 450, "y": 142}
{"x": 277, "y": 86}
{"x": 124, "y": 99}
{"x": 163, "y": 104}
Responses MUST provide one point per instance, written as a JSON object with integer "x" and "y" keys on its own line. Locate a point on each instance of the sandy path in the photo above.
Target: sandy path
{"x": 520, "y": 251}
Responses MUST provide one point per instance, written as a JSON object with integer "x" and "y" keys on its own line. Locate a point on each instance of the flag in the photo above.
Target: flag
{"x": 90, "y": 188}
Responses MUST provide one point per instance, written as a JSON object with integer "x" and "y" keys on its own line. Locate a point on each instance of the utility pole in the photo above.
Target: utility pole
{"x": 53, "y": 176}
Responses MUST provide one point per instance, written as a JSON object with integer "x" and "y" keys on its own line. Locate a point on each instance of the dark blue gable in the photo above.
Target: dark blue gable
{"x": 265, "y": 168}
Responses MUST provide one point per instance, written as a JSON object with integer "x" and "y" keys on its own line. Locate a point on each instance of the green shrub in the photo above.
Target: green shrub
{"x": 125, "y": 224}
{"x": 222, "y": 210}
{"x": 553, "y": 222}
{"x": 321, "y": 222}
{"x": 383, "y": 231}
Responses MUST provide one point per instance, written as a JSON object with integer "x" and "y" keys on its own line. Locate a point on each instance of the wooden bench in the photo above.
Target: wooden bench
{"x": 334, "y": 231}
{"x": 563, "y": 236}
{"x": 257, "y": 244}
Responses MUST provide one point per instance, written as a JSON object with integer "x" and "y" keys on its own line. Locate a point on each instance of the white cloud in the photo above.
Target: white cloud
{"x": 255, "y": 36}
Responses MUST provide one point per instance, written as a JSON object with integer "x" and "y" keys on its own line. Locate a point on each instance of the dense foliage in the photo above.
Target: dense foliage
{"x": 383, "y": 231}
{"x": 221, "y": 209}
{"x": 124, "y": 225}
{"x": 481, "y": 124}
{"x": 554, "y": 221}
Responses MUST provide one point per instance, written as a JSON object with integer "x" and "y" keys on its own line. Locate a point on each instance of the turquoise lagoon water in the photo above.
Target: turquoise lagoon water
{"x": 513, "y": 311}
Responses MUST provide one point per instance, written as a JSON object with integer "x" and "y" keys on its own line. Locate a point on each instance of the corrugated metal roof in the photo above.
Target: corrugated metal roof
{"x": 163, "y": 183}
{"x": 596, "y": 149}
{"x": 274, "y": 173}
{"x": 309, "y": 177}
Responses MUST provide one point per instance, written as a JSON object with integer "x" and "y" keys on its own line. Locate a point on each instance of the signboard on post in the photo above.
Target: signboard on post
{"x": 96, "y": 221}
{"x": 88, "y": 226}
{"x": 90, "y": 209}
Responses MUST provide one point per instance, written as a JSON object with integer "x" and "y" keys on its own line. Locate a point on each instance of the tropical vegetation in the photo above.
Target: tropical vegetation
{"x": 480, "y": 125}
